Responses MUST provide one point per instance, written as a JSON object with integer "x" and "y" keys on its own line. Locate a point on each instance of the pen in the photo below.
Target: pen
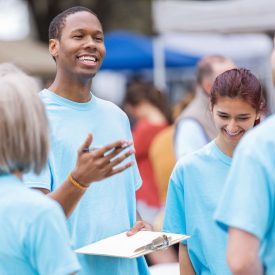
{"x": 123, "y": 146}
{"x": 88, "y": 149}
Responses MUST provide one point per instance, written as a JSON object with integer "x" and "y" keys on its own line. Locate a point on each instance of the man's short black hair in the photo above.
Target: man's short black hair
{"x": 58, "y": 23}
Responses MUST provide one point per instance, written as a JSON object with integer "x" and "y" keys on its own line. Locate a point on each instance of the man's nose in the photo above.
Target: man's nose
{"x": 90, "y": 42}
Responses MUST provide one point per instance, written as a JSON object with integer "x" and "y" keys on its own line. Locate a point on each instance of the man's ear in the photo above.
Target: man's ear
{"x": 206, "y": 85}
{"x": 53, "y": 47}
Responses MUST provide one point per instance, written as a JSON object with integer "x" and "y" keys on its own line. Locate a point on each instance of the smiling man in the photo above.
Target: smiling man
{"x": 100, "y": 209}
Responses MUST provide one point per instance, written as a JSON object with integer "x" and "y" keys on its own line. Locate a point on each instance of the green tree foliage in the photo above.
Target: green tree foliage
{"x": 132, "y": 15}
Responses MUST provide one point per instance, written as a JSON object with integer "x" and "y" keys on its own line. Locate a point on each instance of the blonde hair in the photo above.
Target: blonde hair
{"x": 23, "y": 123}
{"x": 8, "y": 68}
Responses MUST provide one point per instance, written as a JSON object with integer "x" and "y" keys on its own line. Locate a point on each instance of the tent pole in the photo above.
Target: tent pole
{"x": 159, "y": 64}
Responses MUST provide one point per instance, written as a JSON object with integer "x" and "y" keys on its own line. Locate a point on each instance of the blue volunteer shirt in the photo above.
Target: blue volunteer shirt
{"x": 194, "y": 191}
{"x": 108, "y": 207}
{"x": 33, "y": 235}
{"x": 248, "y": 201}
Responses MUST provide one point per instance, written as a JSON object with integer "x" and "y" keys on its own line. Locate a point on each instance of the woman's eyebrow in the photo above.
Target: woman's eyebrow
{"x": 222, "y": 113}
{"x": 244, "y": 115}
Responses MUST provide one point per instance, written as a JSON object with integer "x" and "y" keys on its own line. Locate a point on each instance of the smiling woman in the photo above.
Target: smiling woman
{"x": 236, "y": 102}
{"x": 198, "y": 179}
{"x": 232, "y": 117}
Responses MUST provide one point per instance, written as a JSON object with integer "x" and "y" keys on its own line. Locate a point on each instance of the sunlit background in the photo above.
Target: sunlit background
{"x": 159, "y": 41}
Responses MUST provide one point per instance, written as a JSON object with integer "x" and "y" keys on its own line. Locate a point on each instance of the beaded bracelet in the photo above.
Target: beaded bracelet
{"x": 77, "y": 184}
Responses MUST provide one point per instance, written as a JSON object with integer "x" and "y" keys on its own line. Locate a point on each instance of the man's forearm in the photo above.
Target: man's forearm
{"x": 68, "y": 196}
{"x": 254, "y": 268}
{"x": 186, "y": 267}
{"x": 242, "y": 253}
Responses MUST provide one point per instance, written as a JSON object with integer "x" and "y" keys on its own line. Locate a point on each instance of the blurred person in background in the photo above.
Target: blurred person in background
{"x": 83, "y": 172}
{"x": 273, "y": 64}
{"x": 195, "y": 127}
{"x": 161, "y": 151}
{"x": 163, "y": 160}
{"x": 33, "y": 233}
{"x": 247, "y": 206}
{"x": 198, "y": 179}
{"x": 151, "y": 113}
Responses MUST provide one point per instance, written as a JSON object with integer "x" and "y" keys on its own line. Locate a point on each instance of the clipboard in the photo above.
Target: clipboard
{"x": 122, "y": 246}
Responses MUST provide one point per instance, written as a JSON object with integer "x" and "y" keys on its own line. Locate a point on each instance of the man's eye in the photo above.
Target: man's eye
{"x": 79, "y": 36}
{"x": 99, "y": 39}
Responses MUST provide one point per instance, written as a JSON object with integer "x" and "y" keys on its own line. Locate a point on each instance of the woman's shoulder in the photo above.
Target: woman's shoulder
{"x": 201, "y": 154}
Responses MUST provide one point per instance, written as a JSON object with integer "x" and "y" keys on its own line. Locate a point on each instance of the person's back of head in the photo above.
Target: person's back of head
{"x": 23, "y": 123}
{"x": 143, "y": 92}
{"x": 209, "y": 68}
{"x": 8, "y": 68}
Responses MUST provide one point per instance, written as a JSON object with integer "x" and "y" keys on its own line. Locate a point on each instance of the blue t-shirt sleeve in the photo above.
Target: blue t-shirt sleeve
{"x": 174, "y": 219}
{"x": 246, "y": 201}
{"x": 137, "y": 177}
{"x": 47, "y": 244}
{"x": 134, "y": 169}
{"x": 43, "y": 180}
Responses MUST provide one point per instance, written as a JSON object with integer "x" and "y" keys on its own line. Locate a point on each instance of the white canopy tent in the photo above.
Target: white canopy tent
{"x": 221, "y": 27}
{"x": 250, "y": 50}
{"x": 225, "y": 16}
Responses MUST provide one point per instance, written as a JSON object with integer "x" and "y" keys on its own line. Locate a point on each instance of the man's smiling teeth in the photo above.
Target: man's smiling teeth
{"x": 87, "y": 58}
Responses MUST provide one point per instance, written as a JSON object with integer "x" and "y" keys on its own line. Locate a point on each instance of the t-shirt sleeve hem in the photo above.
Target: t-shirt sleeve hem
{"x": 224, "y": 225}
{"x": 138, "y": 184}
{"x": 37, "y": 185}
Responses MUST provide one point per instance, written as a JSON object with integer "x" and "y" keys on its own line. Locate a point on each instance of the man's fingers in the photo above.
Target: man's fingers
{"x": 139, "y": 225}
{"x": 121, "y": 168}
{"x": 120, "y": 159}
{"x": 85, "y": 146}
{"x": 114, "y": 152}
{"x": 114, "y": 147}
{"x": 111, "y": 146}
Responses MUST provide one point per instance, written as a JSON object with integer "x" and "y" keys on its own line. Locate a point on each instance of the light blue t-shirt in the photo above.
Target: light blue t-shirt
{"x": 248, "y": 201}
{"x": 194, "y": 191}
{"x": 108, "y": 207}
{"x": 33, "y": 235}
